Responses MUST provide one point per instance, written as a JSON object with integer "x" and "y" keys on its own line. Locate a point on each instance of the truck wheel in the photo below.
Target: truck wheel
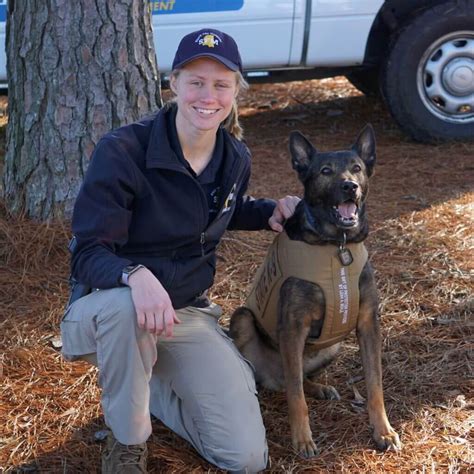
{"x": 428, "y": 78}
{"x": 365, "y": 80}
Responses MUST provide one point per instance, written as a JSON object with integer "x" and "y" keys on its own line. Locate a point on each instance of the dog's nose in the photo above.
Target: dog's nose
{"x": 349, "y": 186}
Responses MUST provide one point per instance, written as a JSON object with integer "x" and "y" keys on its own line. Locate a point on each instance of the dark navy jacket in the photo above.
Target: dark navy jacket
{"x": 138, "y": 204}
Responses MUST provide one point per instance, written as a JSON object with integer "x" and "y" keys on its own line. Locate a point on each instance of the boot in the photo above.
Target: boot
{"x": 118, "y": 458}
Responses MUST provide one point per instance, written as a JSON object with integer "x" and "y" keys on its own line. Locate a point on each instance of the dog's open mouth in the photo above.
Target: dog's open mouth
{"x": 347, "y": 213}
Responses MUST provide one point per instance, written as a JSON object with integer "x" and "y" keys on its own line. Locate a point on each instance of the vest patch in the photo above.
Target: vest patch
{"x": 343, "y": 296}
{"x": 267, "y": 280}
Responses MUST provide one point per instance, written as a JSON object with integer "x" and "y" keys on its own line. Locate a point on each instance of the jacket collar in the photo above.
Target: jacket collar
{"x": 159, "y": 153}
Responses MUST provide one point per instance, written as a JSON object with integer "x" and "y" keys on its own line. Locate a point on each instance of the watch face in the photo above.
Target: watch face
{"x": 129, "y": 268}
{"x": 127, "y": 271}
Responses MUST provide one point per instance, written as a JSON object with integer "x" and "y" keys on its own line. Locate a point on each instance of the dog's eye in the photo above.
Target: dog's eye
{"x": 356, "y": 169}
{"x": 326, "y": 170}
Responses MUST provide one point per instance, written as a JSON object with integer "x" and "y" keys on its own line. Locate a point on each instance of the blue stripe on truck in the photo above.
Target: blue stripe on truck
{"x": 193, "y": 6}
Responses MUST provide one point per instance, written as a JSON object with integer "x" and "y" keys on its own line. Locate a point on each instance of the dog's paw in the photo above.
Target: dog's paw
{"x": 330, "y": 393}
{"x": 302, "y": 440}
{"x": 388, "y": 441}
{"x": 307, "y": 448}
{"x": 322, "y": 392}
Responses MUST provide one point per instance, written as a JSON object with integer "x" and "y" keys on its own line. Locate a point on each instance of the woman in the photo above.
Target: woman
{"x": 155, "y": 202}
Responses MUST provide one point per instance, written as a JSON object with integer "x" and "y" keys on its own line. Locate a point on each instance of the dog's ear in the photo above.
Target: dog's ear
{"x": 365, "y": 147}
{"x": 301, "y": 151}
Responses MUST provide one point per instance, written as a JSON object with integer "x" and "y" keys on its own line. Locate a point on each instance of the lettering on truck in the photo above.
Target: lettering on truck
{"x": 161, "y": 6}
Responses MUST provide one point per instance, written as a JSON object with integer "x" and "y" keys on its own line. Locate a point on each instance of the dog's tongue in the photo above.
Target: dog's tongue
{"x": 347, "y": 209}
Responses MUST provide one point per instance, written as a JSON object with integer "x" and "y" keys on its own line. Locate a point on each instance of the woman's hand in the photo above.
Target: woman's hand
{"x": 284, "y": 209}
{"x": 155, "y": 313}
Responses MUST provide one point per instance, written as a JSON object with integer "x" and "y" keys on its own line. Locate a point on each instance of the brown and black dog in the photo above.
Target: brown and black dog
{"x": 293, "y": 321}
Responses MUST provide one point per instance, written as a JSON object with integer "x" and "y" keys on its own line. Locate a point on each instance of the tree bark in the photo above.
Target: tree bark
{"x": 76, "y": 69}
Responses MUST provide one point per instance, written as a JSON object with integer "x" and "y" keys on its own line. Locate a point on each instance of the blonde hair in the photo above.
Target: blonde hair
{"x": 231, "y": 123}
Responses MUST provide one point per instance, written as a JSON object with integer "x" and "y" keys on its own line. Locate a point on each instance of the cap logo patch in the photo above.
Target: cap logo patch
{"x": 208, "y": 39}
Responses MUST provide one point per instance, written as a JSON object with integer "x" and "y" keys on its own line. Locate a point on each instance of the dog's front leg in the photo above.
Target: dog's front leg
{"x": 291, "y": 349}
{"x": 299, "y": 304}
{"x": 368, "y": 334}
{"x": 294, "y": 325}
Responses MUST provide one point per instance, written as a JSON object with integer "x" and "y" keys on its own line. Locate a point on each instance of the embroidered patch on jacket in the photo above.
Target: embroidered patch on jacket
{"x": 229, "y": 199}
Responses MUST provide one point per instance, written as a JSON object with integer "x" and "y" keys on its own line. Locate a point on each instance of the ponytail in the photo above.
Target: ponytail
{"x": 231, "y": 123}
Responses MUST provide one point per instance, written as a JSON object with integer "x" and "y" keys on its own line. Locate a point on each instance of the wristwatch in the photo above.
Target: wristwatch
{"x": 127, "y": 271}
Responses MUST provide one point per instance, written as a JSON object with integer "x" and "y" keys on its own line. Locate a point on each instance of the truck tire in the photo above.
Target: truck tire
{"x": 366, "y": 81}
{"x": 428, "y": 78}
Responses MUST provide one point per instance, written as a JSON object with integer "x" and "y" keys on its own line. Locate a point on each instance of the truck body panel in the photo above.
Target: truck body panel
{"x": 338, "y": 31}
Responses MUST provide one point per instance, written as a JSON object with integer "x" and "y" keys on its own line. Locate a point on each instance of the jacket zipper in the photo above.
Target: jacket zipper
{"x": 203, "y": 241}
{"x": 202, "y": 238}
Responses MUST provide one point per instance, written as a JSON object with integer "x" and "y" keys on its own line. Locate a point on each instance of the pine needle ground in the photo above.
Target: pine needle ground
{"x": 421, "y": 209}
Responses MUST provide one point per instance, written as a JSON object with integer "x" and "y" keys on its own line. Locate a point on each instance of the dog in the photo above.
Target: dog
{"x": 315, "y": 286}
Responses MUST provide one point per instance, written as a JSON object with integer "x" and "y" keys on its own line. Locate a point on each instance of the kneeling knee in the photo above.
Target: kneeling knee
{"x": 251, "y": 461}
{"x": 119, "y": 312}
{"x": 244, "y": 457}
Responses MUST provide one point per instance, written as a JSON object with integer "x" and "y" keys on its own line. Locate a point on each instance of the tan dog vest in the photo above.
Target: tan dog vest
{"x": 318, "y": 264}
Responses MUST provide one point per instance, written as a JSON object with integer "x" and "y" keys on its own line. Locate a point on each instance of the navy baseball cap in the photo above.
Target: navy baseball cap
{"x": 208, "y": 43}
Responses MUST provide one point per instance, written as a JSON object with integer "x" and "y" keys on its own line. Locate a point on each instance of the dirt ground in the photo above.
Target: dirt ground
{"x": 421, "y": 210}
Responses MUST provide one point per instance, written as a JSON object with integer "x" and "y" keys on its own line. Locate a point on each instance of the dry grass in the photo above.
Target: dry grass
{"x": 422, "y": 213}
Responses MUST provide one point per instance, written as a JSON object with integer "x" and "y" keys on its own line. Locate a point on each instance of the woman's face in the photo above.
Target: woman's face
{"x": 205, "y": 91}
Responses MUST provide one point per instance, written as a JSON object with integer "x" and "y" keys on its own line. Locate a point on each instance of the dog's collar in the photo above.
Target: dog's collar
{"x": 310, "y": 222}
{"x": 343, "y": 241}
{"x": 344, "y": 253}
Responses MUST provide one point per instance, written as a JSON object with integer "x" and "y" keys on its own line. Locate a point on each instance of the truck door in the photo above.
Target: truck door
{"x": 262, "y": 28}
{"x": 338, "y": 31}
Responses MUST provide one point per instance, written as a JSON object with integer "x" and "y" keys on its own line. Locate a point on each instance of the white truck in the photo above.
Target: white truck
{"x": 417, "y": 54}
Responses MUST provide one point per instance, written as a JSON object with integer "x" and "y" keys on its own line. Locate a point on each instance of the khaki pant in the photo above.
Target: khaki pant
{"x": 196, "y": 382}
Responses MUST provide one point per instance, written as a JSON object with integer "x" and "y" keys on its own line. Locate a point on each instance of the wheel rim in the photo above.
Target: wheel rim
{"x": 445, "y": 77}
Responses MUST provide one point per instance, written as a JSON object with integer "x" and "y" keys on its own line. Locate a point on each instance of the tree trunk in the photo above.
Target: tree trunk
{"x": 76, "y": 69}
